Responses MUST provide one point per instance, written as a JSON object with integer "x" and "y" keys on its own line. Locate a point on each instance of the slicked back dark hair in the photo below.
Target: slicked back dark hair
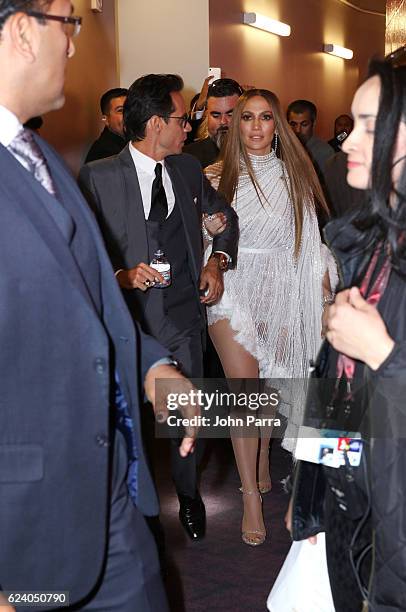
{"x": 301, "y": 106}
{"x": 108, "y": 96}
{"x": 148, "y": 96}
{"x": 223, "y": 88}
{"x": 9, "y": 7}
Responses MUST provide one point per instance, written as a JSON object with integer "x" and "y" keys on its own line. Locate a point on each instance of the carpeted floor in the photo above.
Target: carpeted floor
{"x": 221, "y": 572}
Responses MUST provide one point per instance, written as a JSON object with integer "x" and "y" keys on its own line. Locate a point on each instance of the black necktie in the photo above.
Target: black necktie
{"x": 159, "y": 204}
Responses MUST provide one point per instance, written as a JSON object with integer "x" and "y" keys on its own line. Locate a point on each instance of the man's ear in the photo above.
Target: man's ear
{"x": 20, "y": 31}
{"x": 154, "y": 124}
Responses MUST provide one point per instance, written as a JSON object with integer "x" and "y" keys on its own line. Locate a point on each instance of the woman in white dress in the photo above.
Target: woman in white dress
{"x": 268, "y": 322}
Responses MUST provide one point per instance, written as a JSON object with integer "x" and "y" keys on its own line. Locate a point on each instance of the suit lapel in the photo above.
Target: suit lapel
{"x": 134, "y": 208}
{"x": 190, "y": 217}
{"x": 115, "y": 313}
{"x": 26, "y": 193}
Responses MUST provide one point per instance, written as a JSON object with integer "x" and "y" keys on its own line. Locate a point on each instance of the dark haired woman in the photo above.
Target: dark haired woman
{"x": 268, "y": 322}
{"x": 365, "y": 506}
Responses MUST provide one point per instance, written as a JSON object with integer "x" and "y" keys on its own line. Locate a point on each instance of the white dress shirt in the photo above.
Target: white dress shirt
{"x": 145, "y": 167}
{"x": 9, "y": 126}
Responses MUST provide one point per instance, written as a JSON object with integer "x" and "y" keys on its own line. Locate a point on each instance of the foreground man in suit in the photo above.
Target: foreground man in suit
{"x": 148, "y": 197}
{"x": 69, "y": 357}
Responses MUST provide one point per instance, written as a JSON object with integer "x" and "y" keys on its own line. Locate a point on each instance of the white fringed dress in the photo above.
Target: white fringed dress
{"x": 273, "y": 300}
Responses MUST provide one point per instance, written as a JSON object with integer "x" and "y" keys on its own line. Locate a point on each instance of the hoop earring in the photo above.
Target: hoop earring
{"x": 275, "y": 142}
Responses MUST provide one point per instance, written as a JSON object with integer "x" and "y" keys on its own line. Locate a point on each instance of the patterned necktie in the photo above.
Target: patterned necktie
{"x": 26, "y": 150}
{"x": 159, "y": 204}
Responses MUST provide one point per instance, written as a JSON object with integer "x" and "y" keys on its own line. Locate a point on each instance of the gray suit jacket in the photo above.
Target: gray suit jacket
{"x": 112, "y": 190}
{"x": 59, "y": 345}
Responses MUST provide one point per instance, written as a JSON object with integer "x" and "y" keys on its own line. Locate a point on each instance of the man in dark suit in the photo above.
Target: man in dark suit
{"x": 222, "y": 96}
{"x": 72, "y": 361}
{"x": 150, "y": 197}
{"x": 111, "y": 141}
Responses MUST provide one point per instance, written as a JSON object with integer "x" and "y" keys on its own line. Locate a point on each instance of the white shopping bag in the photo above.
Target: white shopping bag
{"x": 303, "y": 584}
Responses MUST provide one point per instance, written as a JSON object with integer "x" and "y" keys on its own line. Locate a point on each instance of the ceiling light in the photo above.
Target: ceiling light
{"x": 338, "y": 51}
{"x": 265, "y": 23}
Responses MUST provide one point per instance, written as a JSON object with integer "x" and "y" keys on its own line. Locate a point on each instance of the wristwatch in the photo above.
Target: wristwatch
{"x": 222, "y": 260}
{"x": 168, "y": 361}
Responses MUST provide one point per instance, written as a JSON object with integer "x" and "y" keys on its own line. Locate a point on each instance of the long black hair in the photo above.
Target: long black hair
{"x": 377, "y": 220}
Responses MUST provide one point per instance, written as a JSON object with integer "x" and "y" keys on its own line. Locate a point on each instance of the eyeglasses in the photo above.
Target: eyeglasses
{"x": 184, "y": 119}
{"x": 71, "y": 25}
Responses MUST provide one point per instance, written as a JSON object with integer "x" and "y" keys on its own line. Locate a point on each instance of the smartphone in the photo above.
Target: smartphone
{"x": 215, "y": 73}
{"x": 341, "y": 136}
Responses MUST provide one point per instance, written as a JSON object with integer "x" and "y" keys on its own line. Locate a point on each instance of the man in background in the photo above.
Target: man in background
{"x": 222, "y": 96}
{"x": 302, "y": 115}
{"x": 111, "y": 141}
{"x": 342, "y": 128}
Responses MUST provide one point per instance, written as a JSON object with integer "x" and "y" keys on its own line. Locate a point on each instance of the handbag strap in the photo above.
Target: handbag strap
{"x": 373, "y": 294}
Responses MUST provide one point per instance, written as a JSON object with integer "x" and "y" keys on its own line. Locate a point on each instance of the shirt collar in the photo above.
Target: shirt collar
{"x": 144, "y": 162}
{"x": 9, "y": 126}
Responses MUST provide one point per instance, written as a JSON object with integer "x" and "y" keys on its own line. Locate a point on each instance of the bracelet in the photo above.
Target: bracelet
{"x": 328, "y": 300}
{"x": 206, "y": 234}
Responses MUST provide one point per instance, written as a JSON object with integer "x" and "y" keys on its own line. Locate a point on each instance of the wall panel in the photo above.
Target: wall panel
{"x": 295, "y": 67}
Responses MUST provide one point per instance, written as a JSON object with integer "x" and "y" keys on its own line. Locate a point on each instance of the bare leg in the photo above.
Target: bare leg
{"x": 264, "y": 477}
{"x": 238, "y": 363}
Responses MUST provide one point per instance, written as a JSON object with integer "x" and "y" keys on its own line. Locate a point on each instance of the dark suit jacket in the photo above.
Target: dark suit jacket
{"x": 112, "y": 189}
{"x": 342, "y": 198}
{"x": 206, "y": 151}
{"x": 56, "y": 361}
{"x": 108, "y": 143}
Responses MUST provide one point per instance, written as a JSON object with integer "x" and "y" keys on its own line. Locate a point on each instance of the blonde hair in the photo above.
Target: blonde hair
{"x": 303, "y": 185}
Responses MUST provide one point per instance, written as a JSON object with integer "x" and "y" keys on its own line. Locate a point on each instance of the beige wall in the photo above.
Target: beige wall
{"x": 295, "y": 67}
{"x": 90, "y": 72}
{"x": 164, "y": 36}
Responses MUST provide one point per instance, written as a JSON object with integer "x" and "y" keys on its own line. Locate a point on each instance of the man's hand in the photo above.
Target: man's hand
{"x": 211, "y": 281}
{"x": 215, "y": 224}
{"x": 356, "y": 329}
{"x": 171, "y": 381}
{"x": 140, "y": 277}
{"x": 201, "y": 101}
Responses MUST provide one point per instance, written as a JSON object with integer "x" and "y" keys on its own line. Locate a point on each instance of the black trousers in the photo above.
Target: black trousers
{"x": 131, "y": 581}
{"x": 187, "y": 349}
{"x": 184, "y": 469}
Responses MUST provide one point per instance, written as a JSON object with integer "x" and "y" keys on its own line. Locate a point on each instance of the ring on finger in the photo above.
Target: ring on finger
{"x": 147, "y": 282}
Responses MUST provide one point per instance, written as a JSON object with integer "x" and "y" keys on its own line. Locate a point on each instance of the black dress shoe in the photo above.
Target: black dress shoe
{"x": 192, "y": 515}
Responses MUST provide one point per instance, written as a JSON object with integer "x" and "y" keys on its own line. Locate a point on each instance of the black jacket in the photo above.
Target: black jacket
{"x": 384, "y": 394}
{"x": 206, "y": 151}
{"x": 108, "y": 143}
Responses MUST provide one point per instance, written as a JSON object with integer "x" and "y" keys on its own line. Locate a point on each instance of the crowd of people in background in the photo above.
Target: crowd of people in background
{"x": 186, "y": 226}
